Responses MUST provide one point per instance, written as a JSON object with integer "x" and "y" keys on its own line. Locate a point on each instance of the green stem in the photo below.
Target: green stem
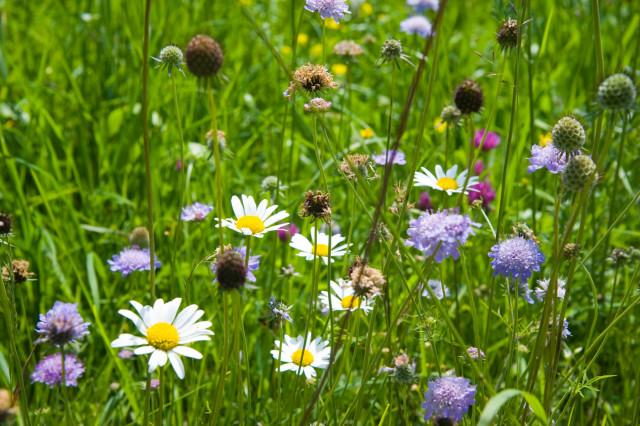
{"x": 216, "y": 154}
{"x": 160, "y": 397}
{"x": 225, "y": 357}
{"x": 237, "y": 319}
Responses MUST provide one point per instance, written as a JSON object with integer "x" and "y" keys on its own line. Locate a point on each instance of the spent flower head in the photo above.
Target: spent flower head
{"x": 617, "y": 92}
{"x": 204, "y": 56}
{"x": 5, "y": 223}
{"x": 367, "y": 282}
{"x": 310, "y": 78}
{"x": 392, "y": 51}
{"x": 19, "y": 271}
{"x": 139, "y": 237}
{"x": 508, "y": 34}
{"x": 317, "y": 205}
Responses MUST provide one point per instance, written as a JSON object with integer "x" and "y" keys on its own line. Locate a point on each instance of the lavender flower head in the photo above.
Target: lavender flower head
{"x": 516, "y": 257}
{"x": 421, "y": 5}
{"x": 565, "y": 326}
{"x": 475, "y": 353}
{"x": 546, "y": 156}
{"x": 132, "y": 259}
{"x": 450, "y": 397}
{"x": 416, "y": 25}
{"x": 196, "y": 212}
{"x": 437, "y": 289}
{"x": 491, "y": 140}
{"x": 254, "y": 263}
{"x": 443, "y": 230}
{"x": 328, "y": 8}
{"x": 62, "y": 324}
{"x": 543, "y": 287}
{"x": 154, "y": 384}
{"x": 395, "y": 157}
{"x": 317, "y": 105}
{"x": 49, "y": 370}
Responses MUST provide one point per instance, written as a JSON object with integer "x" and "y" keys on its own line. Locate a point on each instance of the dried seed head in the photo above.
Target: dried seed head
{"x": 312, "y": 79}
{"x": 579, "y": 172}
{"x": 617, "y": 92}
{"x": 139, "y": 237}
{"x": 568, "y": 135}
{"x": 5, "y": 223}
{"x": 571, "y": 250}
{"x": 361, "y": 164}
{"x": 521, "y": 229}
{"x": 316, "y": 204}
{"x": 468, "y": 97}
{"x": 508, "y": 34}
{"x": 20, "y": 271}
{"x": 204, "y": 56}
{"x": 367, "y": 281}
{"x": 620, "y": 255}
{"x": 231, "y": 270}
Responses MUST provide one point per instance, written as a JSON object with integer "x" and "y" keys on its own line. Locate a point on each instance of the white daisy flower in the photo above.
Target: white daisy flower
{"x": 321, "y": 247}
{"x": 445, "y": 181}
{"x": 253, "y": 220}
{"x": 316, "y": 354}
{"x": 343, "y": 298}
{"x": 164, "y": 332}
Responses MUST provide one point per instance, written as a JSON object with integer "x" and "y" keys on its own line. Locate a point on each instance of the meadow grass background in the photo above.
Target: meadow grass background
{"x": 73, "y": 181}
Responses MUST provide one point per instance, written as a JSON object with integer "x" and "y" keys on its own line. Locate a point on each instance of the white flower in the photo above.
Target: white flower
{"x": 446, "y": 181}
{"x": 164, "y": 332}
{"x": 253, "y": 220}
{"x": 315, "y": 355}
{"x": 543, "y": 287}
{"x": 321, "y": 247}
{"x": 439, "y": 290}
{"x": 344, "y": 299}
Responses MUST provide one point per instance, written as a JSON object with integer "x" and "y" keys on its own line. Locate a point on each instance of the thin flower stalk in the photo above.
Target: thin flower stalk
{"x": 182, "y": 186}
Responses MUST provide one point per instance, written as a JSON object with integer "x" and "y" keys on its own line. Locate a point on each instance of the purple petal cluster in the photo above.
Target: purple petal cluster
{"x": 395, "y": 157}
{"x": 196, "y": 212}
{"x": 439, "y": 290}
{"x": 421, "y": 5}
{"x": 443, "y": 231}
{"x": 416, "y": 25}
{"x": 424, "y": 203}
{"x": 475, "y": 353}
{"x": 49, "y": 370}
{"x": 491, "y": 140}
{"x": 548, "y": 157}
{"x": 132, "y": 259}
{"x": 523, "y": 290}
{"x": 516, "y": 257}
{"x": 449, "y": 397}
{"x": 254, "y": 263}
{"x": 62, "y": 324}
{"x": 328, "y": 8}
{"x": 482, "y": 190}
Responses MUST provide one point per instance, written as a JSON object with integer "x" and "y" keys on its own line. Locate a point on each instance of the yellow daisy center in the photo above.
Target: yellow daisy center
{"x": 320, "y": 250}
{"x": 302, "y": 358}
{"x": 163, "y": 336}
{"x": 350, "y": 302}
{"x": 447, "y": 183}
{"x": 253, "y": 223}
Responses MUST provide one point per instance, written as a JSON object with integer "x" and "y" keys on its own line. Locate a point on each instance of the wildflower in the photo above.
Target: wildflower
{"x": 317, "y": 105}
{"x": 62, "y": 324}
{"x": 546, "y": 156}
{"x": 565, "y": 326}
{"x": 478, "y": 167}
{"x": 328, "y": 8}
{"x": 522, "y": 289}
{"x": 367, "y": 282}
{"x": 49, "y": 370}
{"x": 125, "y": 354}
{"x": 404, "y": 370}
{"x": 311, "y": 78}
{"x": 392, "y": 51}
{"x": 361, "y": 164}
{"x": 508, "y": 34}
{"x": 279, "y": 311}
{"x": 443, "y": 231}
{"x": 317, "y": 205}
{"x": 197, "y": 212}
{"x": 447, "y": 182}
{"x": 287, "y": 232}
{"x": 315, "y": 354}
{"x": 571, "y": 250}
{"x": 579, "y": 172}
{"x": 139, "y": 237}
{"x": 132, "y": 259}
{"x": 438, "y": 289}
{"x": 289, "y": 272}
{"x": 170, "y": 56}
{"x": 484, "y": 192}
{"x": 468, "y": 97}
{"x": 421, "y": 5}
{"x": 490, "y": 141}
{"x": 343, "y": 298}
{"x": 339, "y": 69}
{"x": 450, "y": 115}
{"x": 449, "y": 396}
{"x": 425, "y": 203}
{"x": 516, "y": 257}
{"x": 253, "y": 220}
{"x": 154, "y": 384}
{"x": 348, "y": 48}
{"x": 303, "y": 39}
{"x": 320, "y": 247}
{"x": 253, "y": 265}
{"x": 231, "y": 271}
{"x": 164, "y": 333}
{"x": 5, "y": 223}
{"x": 475, "y": 353}
{"x": 19, "y": 271}
{"x": 543, "y": 287}
{"x": 416, "y": 25}
{"x": 617, "y": 92}
{"x": 204, "y": 56}
{"x": 366, "y": 133}
{"x": 568, "y": 135}
{"x": 391, "y": 156}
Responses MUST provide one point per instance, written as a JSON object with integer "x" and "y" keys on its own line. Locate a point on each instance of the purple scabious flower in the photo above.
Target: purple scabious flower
{"x": 443, "y": 230}
{"x": 328, "y": 8}
{"x": 62, "y": 324}
{"x": 547, "y": 156}
{"x": 449, "y": 396}
{"x": 424, "y": 203}
{"x": 421, "y": 5}
{"x": 516, "y": 257}
{"x": 196, "y": 212}
{"x": 395, "y": 157}
{"x": 254, "y": 263}
{"x": 439, "y": 290}
{"x": 132, "y": 259}
{"x": 475, "y": 353}
{"x": 482, "y": 190}
{"x": 543, "y": 287}
{"x": 416, "y": 25}
{"x": 49, "y": 370}
{"x": 491, "y": 141}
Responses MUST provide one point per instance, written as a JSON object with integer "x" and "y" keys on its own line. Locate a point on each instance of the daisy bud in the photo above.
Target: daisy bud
{"x": 508, "y": 35}
{"x": 571, "y": 250}
{"x": 204, "y": 56}
{"x": 367, "y": 281}
{"x": 468, "y": 97}
{"x": 231, "y": 270}
{"x": 139, "y": 237}
{"x": 450, "y": 115}
{"x": 568, "y": 135}
{"x": 20, "y": 271}
{"x": 317, "y": 205}
{"x": 579, "y": 173}
{"x": 5, "y": 223}
{"x": 617, "y": 92}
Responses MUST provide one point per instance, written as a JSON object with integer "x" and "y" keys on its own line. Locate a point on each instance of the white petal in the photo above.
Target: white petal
{"x": 439, "y": 172}
{"x": 187, "y": 351}
{"x": 128, "y": 340}
{"x": 153, "y": 362}
{"x": 238, "y": 210}
{"x": 185, "y": 316}
{"x": 136, "y": 320}
{"x": 194, "y": 339}
{"x": 143, "y": 350}
{"x": 300, "y": 242}
{"x": 261, "y": 208}
{"x": 250, "y": 206}
{"x": 452, "y": 171}
{"x": 159, "y": 358}
{"x": 177, "y": 364}
{"x": 276, "y": 218}
{"x": 170, "y": 310}
{"x": 309, "y": 372}
{"x": 268, "y": 212}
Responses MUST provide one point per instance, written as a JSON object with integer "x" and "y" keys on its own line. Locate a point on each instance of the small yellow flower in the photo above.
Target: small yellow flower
{"x": 440, "y": 125}
{"x": 316, "y": 50}
{"x": 286, "y": 50}
{"x": 339, "y": 69}
{"x": 545, "y": 139}
{"x": 331, "y": 24}
{"x": 366, "y": 9}
{"x": 303, "y": 39}
{"x": 366, "y": 133}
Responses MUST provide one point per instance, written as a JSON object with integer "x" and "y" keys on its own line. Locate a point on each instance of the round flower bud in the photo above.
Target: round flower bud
{"x": 5, "y": 223}
{"x": 570, "y": 250}
{"x": 617, "y": 92}
{"x": 139, "y": 237}
{"x": 270, "y": 183}
{"x": 204, "y": 56}
{"x": 508, "y": 35}
{"x": 391, "y": 49}
{"x": 468, "y": 97}
{"x": 578, "y": 173}
{"x": 404, "y": 374}
{"x": 568, "y": 135}
{"x": 317, "y": 105}
{"x": 231, "y": 270}
{"x": 450, "y": 115}
{"x": 170, "y": 56}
